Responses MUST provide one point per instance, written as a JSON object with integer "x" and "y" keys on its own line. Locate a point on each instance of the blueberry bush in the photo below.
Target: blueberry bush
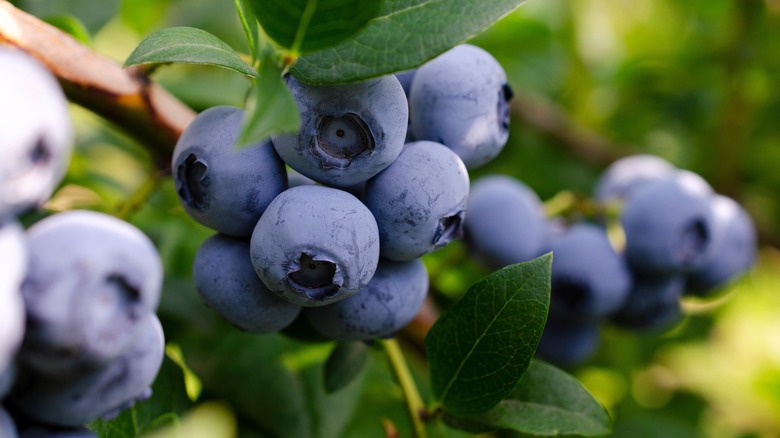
{"x": 343, "y": 218}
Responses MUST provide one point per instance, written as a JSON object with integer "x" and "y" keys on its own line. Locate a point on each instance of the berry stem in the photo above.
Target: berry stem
{"x": 404, "y": 377}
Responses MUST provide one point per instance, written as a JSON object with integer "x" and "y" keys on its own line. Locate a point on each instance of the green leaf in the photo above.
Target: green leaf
{"x": 546, "y": 402}
{"x": 480, "y": 348}
{"x": 344, "y": 364}
{"x": 406, "y": 34}
{"x": 272, "y": 382}
{"x": 249, "y": 23}
{"x": 271, "y": 109}
{"x": 168, "y": 402}
{"x": 308, "y": 25}
{"x": 188, "y": 45}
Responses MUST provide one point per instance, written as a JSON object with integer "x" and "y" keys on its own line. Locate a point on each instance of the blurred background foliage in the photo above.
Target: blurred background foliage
{"x": 693, "y": 81}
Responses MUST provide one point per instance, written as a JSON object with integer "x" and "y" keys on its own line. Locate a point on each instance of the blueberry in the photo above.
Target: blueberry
{"x": 7, "y": 425}
{"x": 37, "y": 135}
{"x": 568, "y": 343}
{"x": 506, "y": 222}
{"x": 668, "y": 227}
{"x": 694, "y": 183}
{"x": 227, "y": 283}
{"x": 7, "y": 379}
{"x": 629, "y": 173}
{"x": 461, "y": 99}
{"x": 221, "y": 185}
{"x": 405, "y": 79}
{"x": 652, "y": 304}
{"x": 295, "y": 179}
{"x": 91, "y": 279}
{"x": 348, "y": 132}
{"x": 589, "y": 279}
{"x": 13, "y": 259}
{"x": 315, "y": 245}
{"x": 389, "y": 302}
{"x": 419, "y": 202}
{"x": 74, "y": 401}
{"x": 733, "y": 247}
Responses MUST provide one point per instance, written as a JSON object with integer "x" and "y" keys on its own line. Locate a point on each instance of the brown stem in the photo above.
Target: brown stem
{"x": 125, "y": 97}
{"x": 547, "y": 118}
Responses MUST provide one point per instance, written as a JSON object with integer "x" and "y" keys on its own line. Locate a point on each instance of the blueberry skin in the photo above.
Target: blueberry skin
{"x": 668, "y": 228}
{"x": 226, "y": 281}
{"x": 37, "y": 134}
{"x": 461, "y": 99}
{"x": 694, "y": 183}
{"x": 13, "y": 259}
{"x": 405, "y": 78}
{"x": 220, "y": 185}
{"x": 91, "y": 278}
{"x": 568, "y": 343}
{"x": 348, "y": 132}
{"x": 419, "y": 202}
{"x": 389, "y": 302}
{"x": 652, "y": 304}
{"x": 295, "y": 179}
{"x": 7, "y": 379}
{"x": 627, "y": 174}
{"x": 734, "y": 247}
{"x": 506, "y": 221}
{"x": 315, "y": 245}
{"x": 589, "y": 279}
{"x": 7, "y": 425}
{"x": 72, "y": 402}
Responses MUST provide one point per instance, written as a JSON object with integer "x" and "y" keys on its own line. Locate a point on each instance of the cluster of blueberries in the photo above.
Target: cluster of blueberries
{"x": 678, "y": 238}
{"x": 79, "y": 339}
{"x": 377, "y": 178}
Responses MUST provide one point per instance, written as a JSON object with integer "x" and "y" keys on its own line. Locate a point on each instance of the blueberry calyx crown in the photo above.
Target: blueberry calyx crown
{"x": 505, "y": 95}
{"x": 40, "y": 153}
{"x": 340, "y": 139}
{"x": 192, "y": 180}
{"x": 694, "y": 240}
{"x": 449, "y": 228}
{"x": 315, "y": 278}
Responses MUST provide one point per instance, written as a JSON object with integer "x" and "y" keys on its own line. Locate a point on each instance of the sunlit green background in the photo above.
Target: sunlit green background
{"x": 696, "y": 82}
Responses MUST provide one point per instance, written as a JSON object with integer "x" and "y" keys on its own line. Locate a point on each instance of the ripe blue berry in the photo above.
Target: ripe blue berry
{"x": 567, "y": 342}
{"x": 13, "y": 259}
{"x": 389, "y": 302}
{"x": 505, "y": 223}
{"x": 348, "y": 133}
{"x": 668, "y": 227}
{"x": 36, "y": 134}
{"x": 733, "y": 247}
{"x": 419, "y": 202}
{"x": 461, "y": 99}
{"x": 315, "y": 245}
{"x": 227, "y": 283}
{"x": 91, "y": 279}
{"x": 652, "y": 304}
{"x": 629, "y": 173}
{"x": 74, "y": 401}
{"x": 220, "y": 185}
{"x": 7, "y": 425}
{"x": 589, "y": 279}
